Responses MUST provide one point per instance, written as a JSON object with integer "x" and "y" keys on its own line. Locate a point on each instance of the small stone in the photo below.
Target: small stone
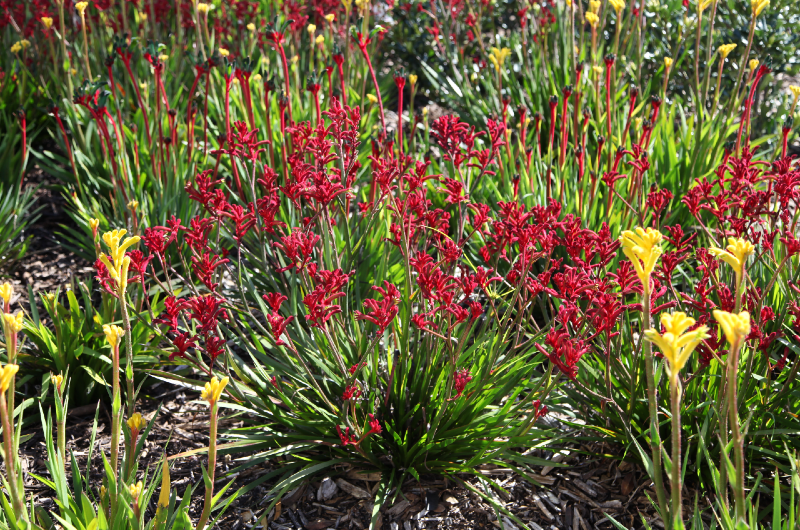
{"x": 327, "y": 490}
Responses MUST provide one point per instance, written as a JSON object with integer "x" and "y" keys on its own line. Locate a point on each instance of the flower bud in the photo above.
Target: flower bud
{"x": 735, "y": 327}
{"x": 57, "y": 380}
{"x": 213, "y": 390}
{"x": 136, "y": 423}
{"x": 6, "y": 290}
{"x": 113, "y": 334}
{"x": 7, "y": 374}
{"x": 13, "y": 322}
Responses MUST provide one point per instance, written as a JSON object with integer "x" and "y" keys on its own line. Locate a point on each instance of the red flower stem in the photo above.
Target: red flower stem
{"x": 785, "y": 131}
{"x": 363, "y": 48}
{"x": 139, "y": 99}
{"x": 68, "y": 147}
{"x": 228, "y": 137}
{"x": 216, "y": 164}
{"x": 189, "y": 121}
{"x": 283, "y": 146}
{"x": 628, "y": 123}
{"x": 550, "y": 150}
{"x": 316, "y": 107}
{"x": 608, "y": 110}
{"x": 205, "y": 117}
{"x": 400, "y": 122}
{"x": 563, "y": 154}
{"x": 163, "y": 165}
{"x": 286, "y": 79}
{"x": 269, "y": 129}
{"x": 248, "y": 103}
{"x": 747, "y": 107}
{"x": 341, "y": 81}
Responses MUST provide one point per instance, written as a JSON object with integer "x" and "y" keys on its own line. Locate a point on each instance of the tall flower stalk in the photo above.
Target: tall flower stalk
{"x": 211, "y": 393}
{"x": 15, "y": 486}
{"x": 736, "y": 328}
{"x": 676, "y": 344}
{"x": 643, "y": 248}
{"x": 117, "y": 263}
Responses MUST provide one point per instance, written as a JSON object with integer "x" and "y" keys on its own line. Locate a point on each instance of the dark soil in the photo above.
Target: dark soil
{"x": 47, "y": 265}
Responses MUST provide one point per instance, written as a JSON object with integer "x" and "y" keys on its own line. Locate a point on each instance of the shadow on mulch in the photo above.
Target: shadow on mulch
{"x": 47, "y": 265}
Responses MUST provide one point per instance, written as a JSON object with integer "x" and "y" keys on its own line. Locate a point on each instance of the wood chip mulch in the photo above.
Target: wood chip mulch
{"x": 576, "y": 496}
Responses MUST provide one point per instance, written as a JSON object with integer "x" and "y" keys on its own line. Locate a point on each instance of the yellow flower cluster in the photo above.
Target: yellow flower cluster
{"x": 81, "y": 8}
{"x": 48, "y": 22}
{"x": 618, "y": 5}
{"x": 13, "y": 322}
{"x": 735, "y": 327}
{"x": 592, "y": 19}
{"x": 7, "y": 374}
{"x": 20, "y": 45}
{"x": 726, "y": 50}
{"x": 702, "y": 5}
{"x": 119, "y": 263}
{"x": 758, "y": 6}
{"x": 113, "y": 334}
{"x": 330, "y": 17}
{"x": 643, "y": 248}
{"x": 213, "y": 390}
{"x": 6, "y": 290}
{"x": 136, "y": 490}
{"x": 753, "y": 64}
{"x": 57, "y": 380}
{"x": 676, "y": 343}
{"x": 412, "y": 78}
{"x": 736, "y": 254}
{"x": 202, "y": 7}
{"x": 667, "y": 62}
{"x": 498, "y": 56}
{"x": 136, "y": 423}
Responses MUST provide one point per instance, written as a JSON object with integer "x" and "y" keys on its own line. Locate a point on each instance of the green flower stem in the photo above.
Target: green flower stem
{"x": 675, "y": 480}
{"x": 115, "y": 415}
{"x": 61, "y": 436}
{"x": 736, "y": 434}
{"x": 126, "y": 323}
{"x": 212, "y": 464}
{"x": 652, "y": 398}
{"x": 11, "y": 460}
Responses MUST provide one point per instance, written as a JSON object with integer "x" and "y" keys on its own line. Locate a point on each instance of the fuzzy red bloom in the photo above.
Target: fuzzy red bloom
{"x": 351, "y": 392}
{"x": 565, "y": 351}
{"x": 374, "y": 426}
{"x": 460, "y": 380}
{"x": 182, "y": 342}
{"x": 381, "y": 312}
{"x": 298, "y": 247}
{"x": 346, "y": 437}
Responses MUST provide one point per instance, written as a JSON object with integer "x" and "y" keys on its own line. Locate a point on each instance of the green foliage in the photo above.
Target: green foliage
{"x": 71, "y": 341}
